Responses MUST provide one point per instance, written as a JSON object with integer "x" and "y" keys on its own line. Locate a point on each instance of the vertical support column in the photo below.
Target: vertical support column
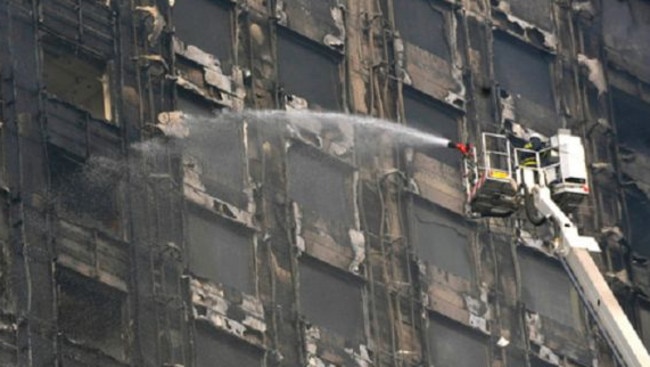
{"x": 27, "y": 180}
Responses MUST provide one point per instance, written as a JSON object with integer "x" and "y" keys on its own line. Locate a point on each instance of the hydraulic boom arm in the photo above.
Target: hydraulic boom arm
{"x": 593, "y": 288}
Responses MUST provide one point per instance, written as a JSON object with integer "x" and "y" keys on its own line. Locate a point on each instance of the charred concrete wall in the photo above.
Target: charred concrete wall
{"x": 325, "y": 245}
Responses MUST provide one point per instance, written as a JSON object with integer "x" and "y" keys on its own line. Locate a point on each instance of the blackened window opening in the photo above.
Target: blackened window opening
{"x": 523, "y": 70}
{"x": 547, "y": 290}
{"x": 86, "y": 190}
{"x": 423, "y": 25}
{"x": 213, "y": 348}
{"x": 454, "y": 345}
{"x": 330, "y": 300}
{"x": 441, "y": 239}
{"x": 638, "y": 210}
{"x": 218, "y": 150}
{"x": 220, "y": 251}
{"x": 91, "y": 313}
{"x": 430, "y": 116}
{"x": 309, "y": 71}
{"x": 206, "y": 24}
{"x": 632, "y": 117}
{"x": 319, "y": 185}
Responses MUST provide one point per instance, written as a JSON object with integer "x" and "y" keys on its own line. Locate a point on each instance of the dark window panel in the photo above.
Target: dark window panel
{"x": 330, "y": 301}
{"x": 452, "y": 345}
{"x": 632, "y": 121}
{"x": 425, "y": 114}
{"x": 206, "y": 24}
{"x": 309, "y": 71}
{"x": 547, "y": 290}
{"x": 319, "y": 185}
{"x": 91, "y": 313}
{"x": 214, "y": 349}
{"x": 220, "y": 251}
{"x": 638, "y": 210}
{"x": 523, "y": 70}
{"x": 441, "y": 240}
{"x": 422, "y": 25}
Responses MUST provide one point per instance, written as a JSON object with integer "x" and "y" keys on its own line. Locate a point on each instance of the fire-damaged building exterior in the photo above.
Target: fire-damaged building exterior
{"x": 129, "y": 239}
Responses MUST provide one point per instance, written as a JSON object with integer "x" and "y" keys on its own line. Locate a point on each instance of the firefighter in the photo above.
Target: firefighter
{"x": 535, "y": 145}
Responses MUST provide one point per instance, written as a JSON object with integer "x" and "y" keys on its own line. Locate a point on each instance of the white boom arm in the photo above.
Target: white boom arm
{"x": 592, "y": 286}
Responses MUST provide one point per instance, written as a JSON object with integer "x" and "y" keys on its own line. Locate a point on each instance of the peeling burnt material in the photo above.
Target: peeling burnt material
{"x": 480, "y": 313}
{"x": 173, "y": 124}
{"x": 214, "y": 85}
{"x": 336, "y": 42}
{"x": 596, "y": 74}
{"x": 157, "y": 22}
{"x": 337, "y": 356}
{"x": 524, "y": 29}
{"x": 358, "y": 247}
{"x": 194, "y": 191}
{"x": 238, "y": 314}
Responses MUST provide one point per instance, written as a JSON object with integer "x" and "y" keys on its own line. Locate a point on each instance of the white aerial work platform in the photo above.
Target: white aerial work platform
{"x": 498, "y": 184}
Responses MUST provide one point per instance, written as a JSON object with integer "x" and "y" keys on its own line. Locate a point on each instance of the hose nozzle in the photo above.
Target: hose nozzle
{"x": 465, "y": 149}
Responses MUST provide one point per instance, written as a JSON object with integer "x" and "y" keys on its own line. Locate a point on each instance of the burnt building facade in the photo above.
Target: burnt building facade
{"x": 129, "y": 239}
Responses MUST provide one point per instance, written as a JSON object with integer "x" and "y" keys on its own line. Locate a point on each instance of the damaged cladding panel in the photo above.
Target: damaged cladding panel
{"x": 453, "y": 345}
{"x": 206, "y": 24}
{"x": 423, "y": 25}
{"x": 309, "y": 70}
{"x": 441, "y": 239}
{"x": 546, "y": 289}
{"x": 220, "y": 251}
{"x": 331, "y": 300}
{"x": 426, "y": 114}
{"x": 217, "y": 349}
